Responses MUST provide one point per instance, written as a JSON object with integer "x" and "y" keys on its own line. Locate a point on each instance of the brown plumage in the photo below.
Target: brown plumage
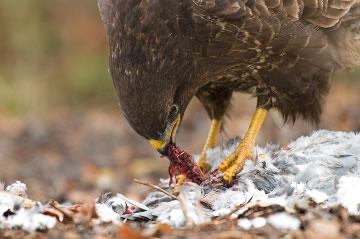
{"x": 283, "y": 52}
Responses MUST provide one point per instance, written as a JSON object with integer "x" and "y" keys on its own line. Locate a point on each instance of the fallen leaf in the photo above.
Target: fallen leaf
{"x": 125, "y": 232}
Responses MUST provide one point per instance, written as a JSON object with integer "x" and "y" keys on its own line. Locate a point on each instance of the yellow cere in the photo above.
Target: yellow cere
{"x": 158, "y": 144}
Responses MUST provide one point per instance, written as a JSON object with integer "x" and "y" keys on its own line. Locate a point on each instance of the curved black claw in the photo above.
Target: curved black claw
{"x": 226, "y": 183}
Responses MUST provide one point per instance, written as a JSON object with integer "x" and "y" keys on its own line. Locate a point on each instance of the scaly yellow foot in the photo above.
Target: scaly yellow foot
{"x": 236, "y": 161}
{"x": 210, "y": 143}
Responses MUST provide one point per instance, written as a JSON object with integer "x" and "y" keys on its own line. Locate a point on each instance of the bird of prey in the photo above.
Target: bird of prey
{"x": 282, "y": 52}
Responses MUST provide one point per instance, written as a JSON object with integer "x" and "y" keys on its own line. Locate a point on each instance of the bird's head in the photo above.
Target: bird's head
{"x": 152, "y": 62}
{"x": 154, "y": 105}
{"x": 153, "y": 77}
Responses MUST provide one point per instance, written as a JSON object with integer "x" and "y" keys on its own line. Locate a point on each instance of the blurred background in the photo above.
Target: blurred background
{"x": 61, "y": 130}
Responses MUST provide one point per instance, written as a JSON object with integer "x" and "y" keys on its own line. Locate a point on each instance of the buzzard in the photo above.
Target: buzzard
{"x": 283, "y": 52}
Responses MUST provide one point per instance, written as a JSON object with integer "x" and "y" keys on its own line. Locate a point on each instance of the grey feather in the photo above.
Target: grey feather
{"x": 325, "y": 163}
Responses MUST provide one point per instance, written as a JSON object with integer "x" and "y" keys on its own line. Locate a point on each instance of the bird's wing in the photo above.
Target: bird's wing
{"x": 353, "y": 14}
{"x": 106, "y": 13}
{"x": 323, "y": 13}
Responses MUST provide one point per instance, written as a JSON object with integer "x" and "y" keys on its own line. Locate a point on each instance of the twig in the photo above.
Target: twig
{"x": 237, "y": 208}
{"x": 181, "y": 199}
{"x": 188, "y": 221}
{"x": 155, "y": 187}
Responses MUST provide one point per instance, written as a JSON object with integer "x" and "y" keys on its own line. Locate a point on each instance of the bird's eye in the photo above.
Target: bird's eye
{"x": 173, "y": 111}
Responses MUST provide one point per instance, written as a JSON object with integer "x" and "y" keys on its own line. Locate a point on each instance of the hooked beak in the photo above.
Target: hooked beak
{"x": 162, "y": 145}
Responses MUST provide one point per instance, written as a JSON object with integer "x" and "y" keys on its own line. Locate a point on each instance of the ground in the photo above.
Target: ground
{"x": 74, "y": 156}
{"x": 62, "y": 133}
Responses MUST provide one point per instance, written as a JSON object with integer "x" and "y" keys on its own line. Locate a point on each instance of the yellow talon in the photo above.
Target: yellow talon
{"x": 179, "y": 180}
{"x": 210, "y": 143}
{"x": 234, "y": 163}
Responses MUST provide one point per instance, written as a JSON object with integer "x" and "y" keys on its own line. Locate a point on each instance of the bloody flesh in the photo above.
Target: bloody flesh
{"x": 182, "y": 161}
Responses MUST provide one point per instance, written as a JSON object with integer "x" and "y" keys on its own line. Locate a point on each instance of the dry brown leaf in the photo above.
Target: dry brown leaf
{"x": 323, "y": 229}
{"x": 54, "y": 213}
{"x": 79, "y": 213}
{"x": 125, "y": 232}
{"x": 158, "y": 231}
